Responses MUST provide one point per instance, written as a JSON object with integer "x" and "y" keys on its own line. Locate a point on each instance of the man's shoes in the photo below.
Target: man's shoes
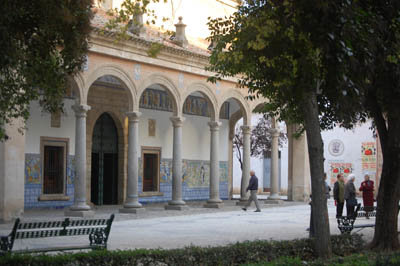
{"x": 257, "y": 211}
{"x": 244, "y": 209}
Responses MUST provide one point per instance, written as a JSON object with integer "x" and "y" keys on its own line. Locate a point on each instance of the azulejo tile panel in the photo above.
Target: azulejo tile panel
{"x": 195, "y": 185}
{"x": 195, "y": 180}
{"x": 33, "y": 183}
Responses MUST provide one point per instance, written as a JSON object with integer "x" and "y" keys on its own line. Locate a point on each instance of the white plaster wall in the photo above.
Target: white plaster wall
{"x": 195, "y": 135}
{"x": 352, "y": 140}
{"x": 38, "y": 125}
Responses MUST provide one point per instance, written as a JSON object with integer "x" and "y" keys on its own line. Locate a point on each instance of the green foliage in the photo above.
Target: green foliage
{"x": 42, "y": 42}
{"x": 121, "y": 18}
{"x": 154, "y": 49}
{"x": 277, "y": 48}
{"x": 280, "y": 252}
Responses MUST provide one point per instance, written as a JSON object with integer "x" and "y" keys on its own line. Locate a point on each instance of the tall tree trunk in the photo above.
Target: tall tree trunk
{"x": 316, "y": 152}
{"x": 386, "y": 235}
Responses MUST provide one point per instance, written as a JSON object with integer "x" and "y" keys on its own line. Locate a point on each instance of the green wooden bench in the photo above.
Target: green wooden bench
{"x": 98, "y": 231}
{"x": 346, "y": 224}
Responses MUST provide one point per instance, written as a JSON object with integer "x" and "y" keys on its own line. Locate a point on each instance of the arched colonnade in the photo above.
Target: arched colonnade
{"x": 178, "y": 93}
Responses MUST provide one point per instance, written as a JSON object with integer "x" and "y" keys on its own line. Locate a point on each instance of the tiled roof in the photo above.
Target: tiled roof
{"x": 153, "y": 34}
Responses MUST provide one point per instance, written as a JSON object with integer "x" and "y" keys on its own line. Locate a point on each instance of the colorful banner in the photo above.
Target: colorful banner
{"x": 339, "y": 168}
{"x": 368, "y": 158}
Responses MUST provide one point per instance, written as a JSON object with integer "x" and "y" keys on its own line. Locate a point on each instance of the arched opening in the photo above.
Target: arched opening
{"x": 234, "y": 111}
{"x": 156, "y": 104}
{"x": 109, "y": 94}
{"x": 104, "y": 174}
{"x": 198, "y": 111}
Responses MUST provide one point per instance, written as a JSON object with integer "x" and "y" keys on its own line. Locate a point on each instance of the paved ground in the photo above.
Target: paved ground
{"x": 197, "y": 226}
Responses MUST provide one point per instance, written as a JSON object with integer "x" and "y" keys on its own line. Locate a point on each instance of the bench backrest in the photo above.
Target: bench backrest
{"x": 66, "y": 227}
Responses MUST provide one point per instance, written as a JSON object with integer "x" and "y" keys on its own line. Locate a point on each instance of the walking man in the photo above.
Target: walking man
{"x": 253, "y": 187}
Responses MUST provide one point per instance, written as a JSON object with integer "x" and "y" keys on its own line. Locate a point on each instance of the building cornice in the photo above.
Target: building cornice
{"x": 136, "y": 49}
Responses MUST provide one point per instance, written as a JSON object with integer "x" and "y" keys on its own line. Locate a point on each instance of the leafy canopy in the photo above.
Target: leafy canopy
{"x": 42, "y": 42}
{"x": 278, "y": 50}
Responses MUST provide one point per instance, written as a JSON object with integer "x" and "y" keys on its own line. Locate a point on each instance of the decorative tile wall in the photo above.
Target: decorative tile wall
{"x": 33, "y": 185}
{"x": 195, "y": 182}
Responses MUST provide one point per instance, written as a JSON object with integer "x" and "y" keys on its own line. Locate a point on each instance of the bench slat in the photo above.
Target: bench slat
{"x": 38, "y": 225}
{"x": 37, "y": 250}
{"x": 88, "y": 222}
{"x": 58, "y": 232}
{"x": 37, "y": 234}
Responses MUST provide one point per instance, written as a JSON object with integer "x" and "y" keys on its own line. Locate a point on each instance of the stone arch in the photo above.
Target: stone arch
{"x": 207, "y": 92}
{"x": 170, "y": 87}
{"x": 116, "y": 71}
{"x": 235, "y": 117}
{"x": 77, "y": 84}
{"x": 92, "y": 118}
{"x": 257, "y": 102}
{"x": 244, "y": 105}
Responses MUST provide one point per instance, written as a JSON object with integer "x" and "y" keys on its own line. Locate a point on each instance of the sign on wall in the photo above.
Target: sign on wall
{"x": 336, "y": 147}
{"x": 339, "y": 168}
{"x": 368, "y": 158}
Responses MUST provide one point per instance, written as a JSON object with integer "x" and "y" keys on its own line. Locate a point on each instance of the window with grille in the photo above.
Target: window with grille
{"x": 54, "y": 163}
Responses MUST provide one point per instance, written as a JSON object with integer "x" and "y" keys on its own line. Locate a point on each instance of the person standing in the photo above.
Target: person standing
{"x": 367, "y": 188}
{"x": 350, "y": 195}
{"x": 338, "y": 195}
{"x": 253, "y": 187}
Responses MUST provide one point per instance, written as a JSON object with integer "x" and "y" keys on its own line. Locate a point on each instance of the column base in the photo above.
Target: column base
{"x": 273, "y": 201}
{"x": 215, "y": 205}
{"x": 132, "y": 204}
{"x": 79, "y": 213}
{"x": 176, "y": 207}
{"x": 132, "y": 210}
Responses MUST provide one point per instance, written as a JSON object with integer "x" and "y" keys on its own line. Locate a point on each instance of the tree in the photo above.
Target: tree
{"x": 260, "y": 139}
{"x": 42, "y": 43}
{"x": 277, "y": 49}
{"x": 372, "y": 33}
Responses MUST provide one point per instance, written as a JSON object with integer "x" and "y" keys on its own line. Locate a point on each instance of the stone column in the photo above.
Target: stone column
{"x": 177, "y": 203}
{"x": 299, "y": 167}
{"x": 80, "y": 207}
{"x": 132, "y": 204}
{"x": 246, "y": 165}
{"x": 12, "y": 174}
{"x": 214, "y": 201}
{"x": 274, "y": 194}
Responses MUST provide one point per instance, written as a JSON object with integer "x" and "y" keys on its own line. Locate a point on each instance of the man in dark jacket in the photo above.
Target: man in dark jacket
{"x": 253, "y": 187}
{"x": 350, "y": 195}
{"x": 338, "y": 195}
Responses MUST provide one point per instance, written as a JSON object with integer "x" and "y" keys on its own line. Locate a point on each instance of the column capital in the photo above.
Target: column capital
{"x": 133, "y": 116}
{"x": 80, "y": 109}
{"x": 214, "y": 125}
{"x": 246, "y": 129}
{"x": 274, "y": 132}
{"x": 177, "y": 121}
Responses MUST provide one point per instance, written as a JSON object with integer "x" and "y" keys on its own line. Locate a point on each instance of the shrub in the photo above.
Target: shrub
{"x": 278, "y": 252}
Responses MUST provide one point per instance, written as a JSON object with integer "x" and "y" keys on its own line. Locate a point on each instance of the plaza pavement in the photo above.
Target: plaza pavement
{"x": 197, "y": 226}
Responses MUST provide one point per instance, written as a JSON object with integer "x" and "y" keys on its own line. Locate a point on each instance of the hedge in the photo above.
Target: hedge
{"x": 235, "y": 254}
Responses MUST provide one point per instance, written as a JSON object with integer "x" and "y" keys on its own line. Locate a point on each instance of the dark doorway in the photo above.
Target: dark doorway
{"x": 104, "y": 178}
{"x": 151, "y": 162}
